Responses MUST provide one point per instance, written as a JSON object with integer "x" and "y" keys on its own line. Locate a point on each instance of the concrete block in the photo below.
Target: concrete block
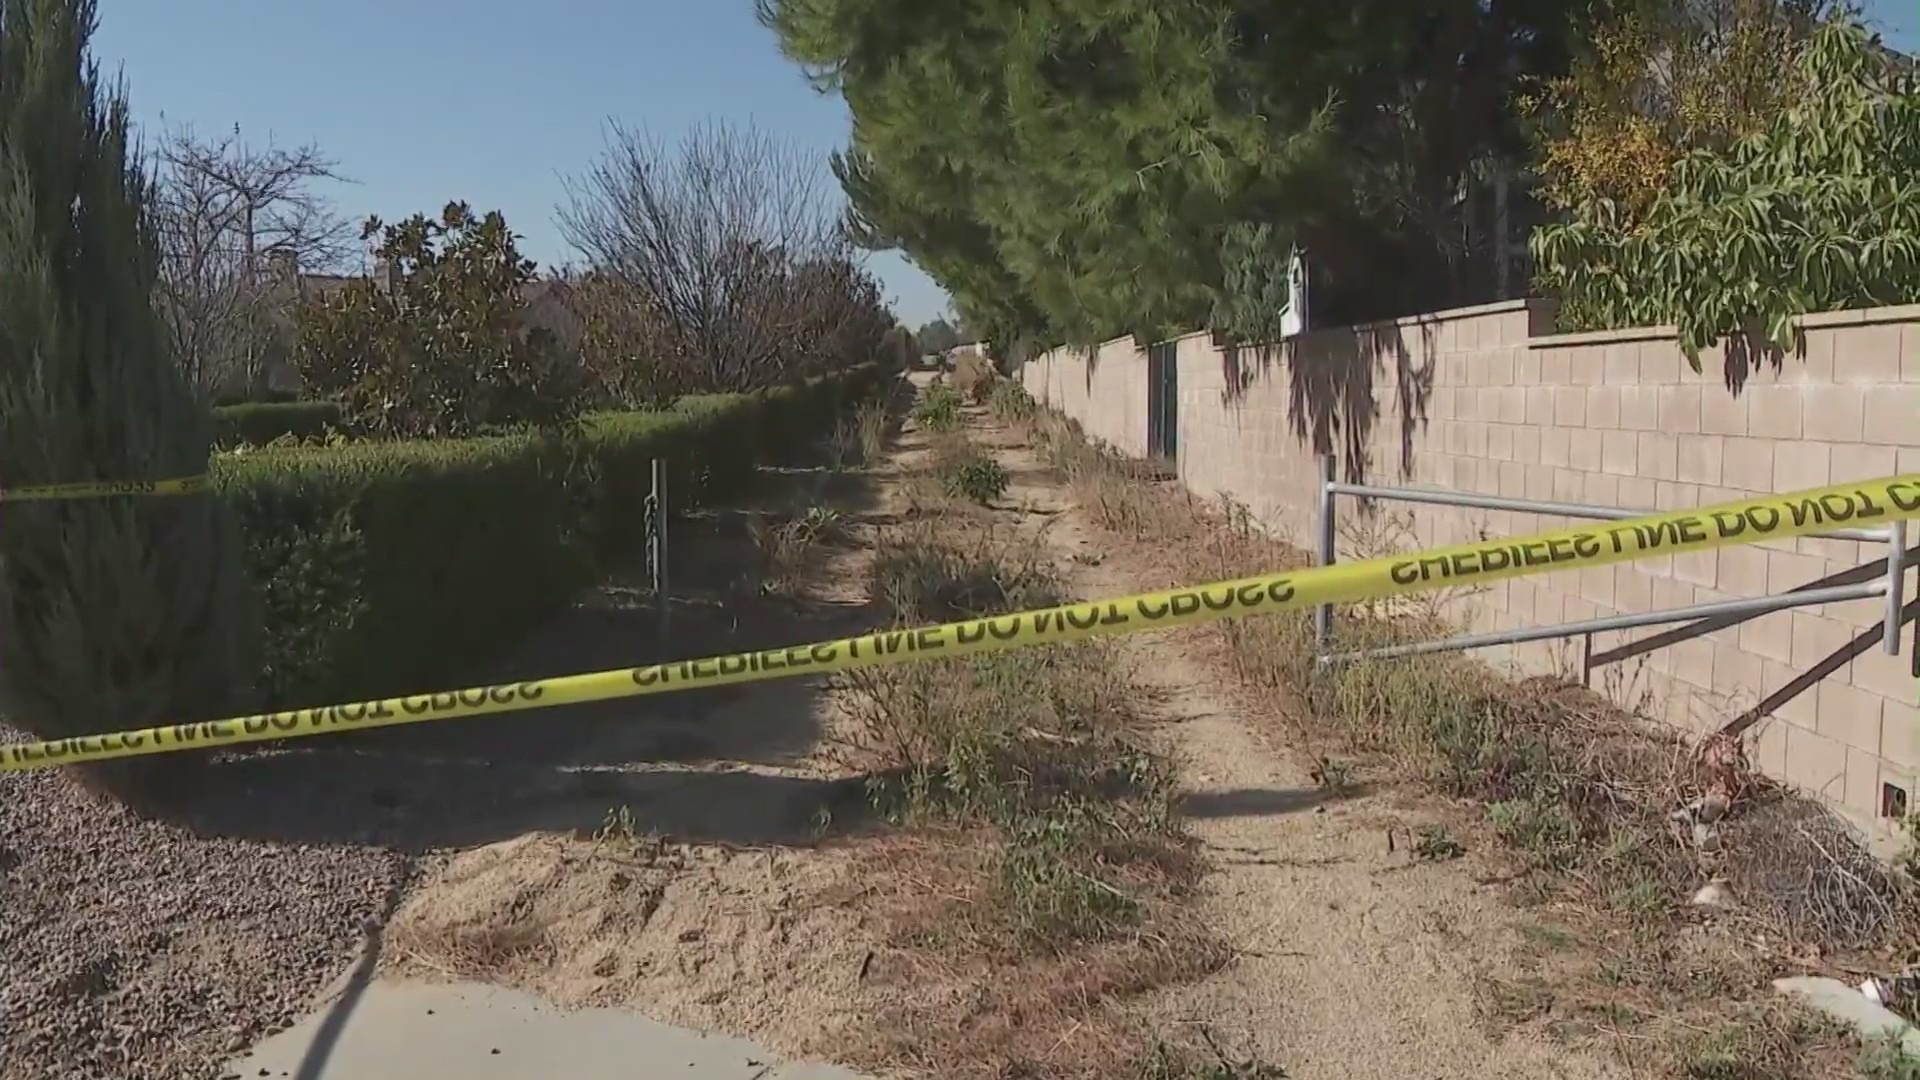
{"x": 1849, "y": 1006}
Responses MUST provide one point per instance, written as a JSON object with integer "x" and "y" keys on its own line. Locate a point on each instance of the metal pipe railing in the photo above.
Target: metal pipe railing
{"x": 1890, "y": 584}
{"x": 1668, "y": 638}
{"x": 1745, "y": 607}
{"x": 1896, "y": 586}
{"x": 1535, "y": 506}
{"x": 1328, "y": 553}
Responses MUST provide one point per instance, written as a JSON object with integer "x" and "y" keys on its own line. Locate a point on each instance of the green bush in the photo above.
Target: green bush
{"x": 446, "y": 349}
{"x": 1816, "y": 212}
{"x": 388, "y": 567}
{"x": 259, "y": 423}
{"x": 979, "y": 478}
{"x": 939, "y": 408}
{"x": 1011, "y": 402}
{"x": 967, "y": 472}
{"x": 381, "y": 563}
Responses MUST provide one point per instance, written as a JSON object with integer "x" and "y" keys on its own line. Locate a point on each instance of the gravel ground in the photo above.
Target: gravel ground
{"x": 134, "y": 949}
{"x": 142, "y": 949}
{"x": 158, "y": 949}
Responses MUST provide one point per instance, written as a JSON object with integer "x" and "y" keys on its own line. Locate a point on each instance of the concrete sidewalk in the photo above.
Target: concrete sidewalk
{"x": 471, "y": 1031}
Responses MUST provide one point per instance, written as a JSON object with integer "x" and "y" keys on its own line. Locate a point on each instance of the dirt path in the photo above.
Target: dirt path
{"x": 1353, "y": 958}
{"x": 690, "y": 880}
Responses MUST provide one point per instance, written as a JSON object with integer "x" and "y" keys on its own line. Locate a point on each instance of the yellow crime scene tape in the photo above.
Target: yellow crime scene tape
{"x": 1774, "y": 517}
{"x": 99, "y": 489}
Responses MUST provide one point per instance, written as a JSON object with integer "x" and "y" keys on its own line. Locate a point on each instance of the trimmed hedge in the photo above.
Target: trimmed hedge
{"x": 385, "y": 568}
{"x": 259, "y": 423}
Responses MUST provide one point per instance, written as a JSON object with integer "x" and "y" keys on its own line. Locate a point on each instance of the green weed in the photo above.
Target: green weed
{"x": 938, "y": 409}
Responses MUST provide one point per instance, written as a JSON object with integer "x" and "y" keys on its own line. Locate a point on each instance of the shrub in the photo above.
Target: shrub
{"x": 964, "y": 471}
{"x": 1011, "y": 402}
{"x": 709, "y": 445}
{"x": 861, "y": 439}
{"x": 380, "y": 564}
{"x": 444, "y": 348}
{"x": 114, "y": 613}
{"x": 924, "y": 578}
{"x": 939, "y": 408}
{"x": 787, "y": 547}
{"x": 835, "y": 395}
{"x": 259, "y": 423}
{"x": 1037, "y": 743}
{"x": 384, "y": 567}
{"x": 1815, "y": 212}
{"x": 975, "y": 476}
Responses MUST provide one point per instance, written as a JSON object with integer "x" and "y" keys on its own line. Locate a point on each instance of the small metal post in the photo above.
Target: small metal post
{"x": 657, "y": 544}
{"x": 1896, "y": 585}
{"x": 1323, "y": 614}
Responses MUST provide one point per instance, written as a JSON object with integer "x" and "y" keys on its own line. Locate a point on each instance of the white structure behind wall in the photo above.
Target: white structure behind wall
{"x": 1295, "y": 319}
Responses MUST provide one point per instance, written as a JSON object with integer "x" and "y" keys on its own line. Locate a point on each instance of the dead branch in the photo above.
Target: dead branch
{"x": 236, "y": 225}
{"x": 729, "y": 256}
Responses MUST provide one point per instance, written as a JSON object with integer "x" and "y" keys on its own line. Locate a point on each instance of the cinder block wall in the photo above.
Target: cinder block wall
{"x": 1486, "y": 400}
{"x": 1104, "y": 388}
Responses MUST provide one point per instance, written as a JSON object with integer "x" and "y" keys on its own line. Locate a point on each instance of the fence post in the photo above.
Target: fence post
{"x": 1323, "y": 613}
{"x": 657, "y": 544}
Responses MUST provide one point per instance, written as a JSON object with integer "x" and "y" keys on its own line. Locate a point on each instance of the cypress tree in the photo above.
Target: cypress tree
{"x": 121, "y": 611}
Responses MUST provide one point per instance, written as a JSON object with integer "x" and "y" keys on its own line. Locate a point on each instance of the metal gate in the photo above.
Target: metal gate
{"x": 1883, "y": 578}
{"x": 1163, "y": 401}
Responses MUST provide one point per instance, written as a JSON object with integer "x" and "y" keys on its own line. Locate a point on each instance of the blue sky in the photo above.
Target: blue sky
{"x": 492, "y": 101}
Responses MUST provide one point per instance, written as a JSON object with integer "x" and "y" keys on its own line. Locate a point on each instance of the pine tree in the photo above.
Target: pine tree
{"x": 114, "y": 612}
{"x": 1074, "y": 169}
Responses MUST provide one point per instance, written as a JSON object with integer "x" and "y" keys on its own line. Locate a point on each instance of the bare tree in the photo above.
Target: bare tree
{"x": 236, "y": 225}
{"x": 723, "y": 247}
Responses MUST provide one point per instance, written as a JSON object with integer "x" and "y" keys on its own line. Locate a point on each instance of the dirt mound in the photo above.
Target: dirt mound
{"x": 757, "y": 942}
{"x": 136, "y": 949}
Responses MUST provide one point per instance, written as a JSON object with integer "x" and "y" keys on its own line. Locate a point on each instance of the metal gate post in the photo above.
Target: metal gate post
{"x": 1323, "y": 613}
{"x": 657, "y": 544}
{"x": 1896, "y": 586}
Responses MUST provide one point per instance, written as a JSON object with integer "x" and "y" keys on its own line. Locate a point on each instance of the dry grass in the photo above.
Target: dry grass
{"x": 966, "y": 472}
{"x": 974, "y": 376}
{"x": 978, "y": 1009}
{"x": 785, "y": 548}
{"x": 936, "y": 572}
{"x": 1117, "y": 492}
{"x": 938, "y": 408}
{"x": 1599, "y": 806}
{"x": 859, "y": 440}
{"x": 1045, "y": 863}
{"x": 1010, "y": 402}
{"x": 1040, "y": 745}
{"x": 960, "y": 480}
{"x": 520, "y": 924}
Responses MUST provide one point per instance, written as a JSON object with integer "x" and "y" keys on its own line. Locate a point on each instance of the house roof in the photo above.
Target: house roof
{"x": 326, "y": 284}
